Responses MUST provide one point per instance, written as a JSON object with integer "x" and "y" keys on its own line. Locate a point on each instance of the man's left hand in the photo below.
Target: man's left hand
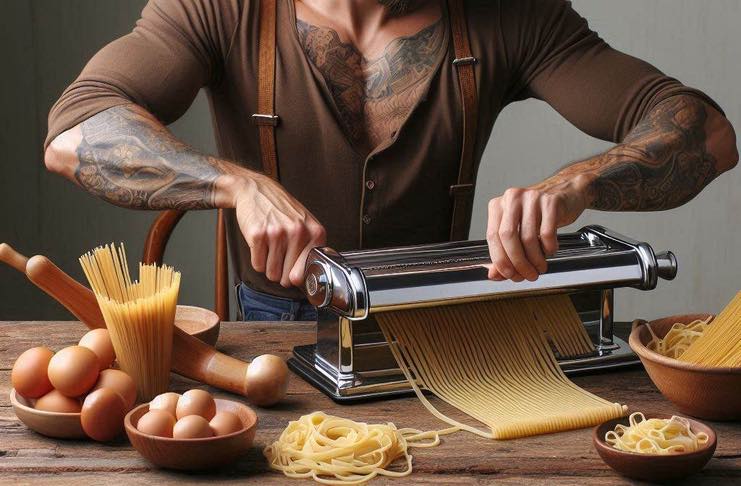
{"x": 522, "y": 226}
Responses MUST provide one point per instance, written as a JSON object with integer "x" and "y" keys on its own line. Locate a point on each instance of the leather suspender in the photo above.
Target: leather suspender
{"x": 462, "y": 192}
{"x": 265, "y": 118}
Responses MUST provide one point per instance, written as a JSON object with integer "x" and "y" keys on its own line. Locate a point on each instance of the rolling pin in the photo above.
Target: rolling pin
{"x": 191, "y": 357}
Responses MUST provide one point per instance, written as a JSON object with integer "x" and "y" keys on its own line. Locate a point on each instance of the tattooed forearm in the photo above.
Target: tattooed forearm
{"x": 129, "y": 159}
{"x": 663, "y": 163}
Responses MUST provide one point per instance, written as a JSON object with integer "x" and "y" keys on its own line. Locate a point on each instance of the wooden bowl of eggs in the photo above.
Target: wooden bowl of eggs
{"x": 192, "y": 431}
{"x": 706, "y": 392}
{"x": 198, "y": 322}
{"x": 73, "y": 393}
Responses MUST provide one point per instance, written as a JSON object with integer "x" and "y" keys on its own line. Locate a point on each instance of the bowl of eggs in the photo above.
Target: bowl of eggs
{"x": 660, "y": 448}
{"x": 705, "y": 391}
{"x": 73, "y": 393}
{"x": 192, "y": 431}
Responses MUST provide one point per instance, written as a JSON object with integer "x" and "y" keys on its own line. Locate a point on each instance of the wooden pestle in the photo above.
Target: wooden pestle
{"x": 191, "y": 357}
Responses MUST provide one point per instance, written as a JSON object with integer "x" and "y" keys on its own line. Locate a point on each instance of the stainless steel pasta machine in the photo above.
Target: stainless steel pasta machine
{"x": 351, "y": 359}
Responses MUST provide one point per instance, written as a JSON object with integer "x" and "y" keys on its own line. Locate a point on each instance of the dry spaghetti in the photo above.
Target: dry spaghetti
{"x": 339, "y": 451}
{"x": 655, "y": 436}
{"x": 495, "y": 362}
{"x": 139, "y": 315}
{"x": 720, "y": 344}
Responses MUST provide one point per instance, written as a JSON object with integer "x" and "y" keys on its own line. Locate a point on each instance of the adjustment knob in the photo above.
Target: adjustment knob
{"x": 666, "y": 264}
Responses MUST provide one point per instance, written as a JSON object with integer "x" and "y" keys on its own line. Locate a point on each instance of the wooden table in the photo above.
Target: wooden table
{"x": 566, "y": 458}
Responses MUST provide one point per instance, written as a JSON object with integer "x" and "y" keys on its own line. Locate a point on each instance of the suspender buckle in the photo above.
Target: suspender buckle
{"x": 457, "y": 190}
{"x": 262, "y": 119}
{"x": 464, "y": 61}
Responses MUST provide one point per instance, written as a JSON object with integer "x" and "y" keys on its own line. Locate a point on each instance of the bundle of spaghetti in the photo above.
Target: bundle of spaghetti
{"x": 655, "y": 436}
{"x": 494, "y": 362}
{"x": 720, "y": 344}
{"x": 339, "y": 451}
{"x": 139, "y": 315}
{"x": 678, "y": 339}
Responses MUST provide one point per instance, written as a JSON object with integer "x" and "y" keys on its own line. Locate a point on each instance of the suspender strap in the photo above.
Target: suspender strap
{"x": 265, "y": 118}
{"x": 462, "y": 191}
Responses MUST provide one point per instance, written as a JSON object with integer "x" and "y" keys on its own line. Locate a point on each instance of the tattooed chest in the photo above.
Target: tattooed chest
{"x": 373, "y": 96}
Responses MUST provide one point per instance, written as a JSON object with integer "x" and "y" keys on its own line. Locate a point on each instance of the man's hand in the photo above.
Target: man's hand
{"x": 279, "y": 230}
{"x": 522, "y": 226}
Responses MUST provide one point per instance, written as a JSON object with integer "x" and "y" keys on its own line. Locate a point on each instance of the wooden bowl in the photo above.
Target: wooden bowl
{"x": 51, "y": 424}
{"x": 198, "y": 322}
{"x": 654, "y": 467}
{"x": 704, "y": 392}
{"x": 194, "y": 454}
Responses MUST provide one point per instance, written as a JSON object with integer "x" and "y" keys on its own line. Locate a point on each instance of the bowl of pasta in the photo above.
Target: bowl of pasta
{"x": 692, "y": 361}
{"x": 654, "y": 447}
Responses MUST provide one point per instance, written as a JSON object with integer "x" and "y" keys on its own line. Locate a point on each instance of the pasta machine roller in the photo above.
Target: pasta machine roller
{"x": 351, "y": 359}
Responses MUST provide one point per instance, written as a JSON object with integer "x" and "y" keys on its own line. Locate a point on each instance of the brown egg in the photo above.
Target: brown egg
{"x": 165, "y": 401}
{"x": 192, "y": 427}
{"x": 225, "y": 423}
{"x": 156, "y": 422}
{"x": 29, "y": 375}
{"x": 196, "y": 402}
{"x": 120, "y": 382}
{"x": 99, "y": 342}
{"x": 102, "y": 414}
{"x": 73, "y": 370}
{"x": 56, "y": 402}
{"x": 267, "y": 380}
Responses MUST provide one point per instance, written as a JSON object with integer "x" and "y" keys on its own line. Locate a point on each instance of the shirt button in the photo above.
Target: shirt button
{"x": 370, "y": 184}
{"x": 366, "y": 219}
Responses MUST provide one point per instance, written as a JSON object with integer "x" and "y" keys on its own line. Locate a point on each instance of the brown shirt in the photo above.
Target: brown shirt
{"x": 399, "y": 193}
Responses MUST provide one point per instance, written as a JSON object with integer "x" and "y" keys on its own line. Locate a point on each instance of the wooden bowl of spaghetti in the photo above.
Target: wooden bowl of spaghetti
{"x": 194, "y": 454}
{"x": 198, "y": 322}
{"x": 654, "y": 467}
{"x": 700, "y": 391}
{"x": 51, "y": 424}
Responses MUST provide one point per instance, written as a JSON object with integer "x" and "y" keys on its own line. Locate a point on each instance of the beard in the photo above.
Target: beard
{"x": 397, "y": 7}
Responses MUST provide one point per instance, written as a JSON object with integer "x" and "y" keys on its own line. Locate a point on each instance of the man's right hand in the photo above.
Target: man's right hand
{"x": 279, "y": 230}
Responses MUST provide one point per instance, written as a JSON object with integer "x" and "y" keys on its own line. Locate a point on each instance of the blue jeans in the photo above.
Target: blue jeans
{"x": 258, "y": 306}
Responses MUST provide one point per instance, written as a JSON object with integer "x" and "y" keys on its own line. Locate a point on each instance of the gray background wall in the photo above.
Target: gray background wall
{"x": 45, "y": 43}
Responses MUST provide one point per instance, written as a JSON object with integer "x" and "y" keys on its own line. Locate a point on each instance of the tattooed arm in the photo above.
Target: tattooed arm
{"x": 126, "y": 157}
{"x": 664, "y": 162}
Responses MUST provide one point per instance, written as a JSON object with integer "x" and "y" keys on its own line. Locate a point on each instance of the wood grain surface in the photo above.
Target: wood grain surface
{"x": 566, "y": 458}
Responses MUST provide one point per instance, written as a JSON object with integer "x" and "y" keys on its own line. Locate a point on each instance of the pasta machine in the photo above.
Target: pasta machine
{"x": 351, "y": 359}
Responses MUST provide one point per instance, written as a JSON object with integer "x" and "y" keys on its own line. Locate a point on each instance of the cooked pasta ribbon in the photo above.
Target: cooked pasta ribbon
{"x": 655, "y": 436}
{"x": 339, "y": 451}
{"x": 678, "y": 339}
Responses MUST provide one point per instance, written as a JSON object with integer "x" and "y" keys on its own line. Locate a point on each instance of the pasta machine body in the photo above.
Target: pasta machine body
{"x": 351, "y": 359}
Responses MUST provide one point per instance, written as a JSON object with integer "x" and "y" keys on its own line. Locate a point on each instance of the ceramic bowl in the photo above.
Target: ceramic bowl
{"x": 198, "y": 322}
{"x": 194, "y": 454}
{"x": 653, "y": 467}
{"x": 51, "y": 424}
{"x": 704, "y": 392}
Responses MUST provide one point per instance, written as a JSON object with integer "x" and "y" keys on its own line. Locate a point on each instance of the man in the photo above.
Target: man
{"x": 370, "y": 130}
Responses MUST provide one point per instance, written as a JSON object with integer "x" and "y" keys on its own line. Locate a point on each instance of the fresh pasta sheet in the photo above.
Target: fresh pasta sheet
{"x": 495, "y": 361}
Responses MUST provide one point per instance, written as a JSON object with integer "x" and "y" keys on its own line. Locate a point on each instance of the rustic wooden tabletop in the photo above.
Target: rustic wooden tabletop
{"x": 566, "y": 458}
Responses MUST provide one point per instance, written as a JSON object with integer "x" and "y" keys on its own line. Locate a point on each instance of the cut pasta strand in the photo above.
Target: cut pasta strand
{"x": 494, "y": 361}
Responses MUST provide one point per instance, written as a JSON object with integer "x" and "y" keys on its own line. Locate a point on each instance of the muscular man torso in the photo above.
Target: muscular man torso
{"x": 375, "y": 82}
